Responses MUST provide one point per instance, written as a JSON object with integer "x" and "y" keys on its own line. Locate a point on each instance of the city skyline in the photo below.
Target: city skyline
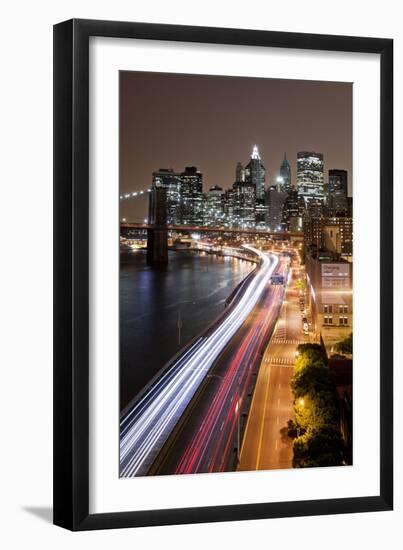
{"x": 249, "y": 202}
{"x": 236, "y": 259}
{"x": 184, "y": 127}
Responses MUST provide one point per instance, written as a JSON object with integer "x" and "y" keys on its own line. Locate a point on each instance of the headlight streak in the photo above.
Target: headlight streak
{"x": 147, "y": 426}
{"x": 131, "y": 417}
{"x": 210, "y": 448}
{"x": 170, "y": 388}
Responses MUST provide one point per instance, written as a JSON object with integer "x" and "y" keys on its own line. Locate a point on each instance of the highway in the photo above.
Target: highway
{"x": 266, "y": 445}
{"x": 209, "y": 435}
{"x": 148, "y": 423}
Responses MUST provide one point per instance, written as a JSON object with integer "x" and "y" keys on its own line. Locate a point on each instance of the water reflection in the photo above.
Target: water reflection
{"x": 160, "y": 308}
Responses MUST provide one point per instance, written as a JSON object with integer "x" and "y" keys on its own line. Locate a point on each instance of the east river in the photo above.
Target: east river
{"x": 190, "y": 293}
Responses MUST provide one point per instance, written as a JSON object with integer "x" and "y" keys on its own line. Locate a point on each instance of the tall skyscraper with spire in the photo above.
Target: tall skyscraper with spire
{"x": 255, "y": 173}
{"x": 284, "y": 181}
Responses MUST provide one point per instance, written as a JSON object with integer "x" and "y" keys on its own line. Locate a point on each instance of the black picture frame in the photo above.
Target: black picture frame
{"x": 71, "y": 274}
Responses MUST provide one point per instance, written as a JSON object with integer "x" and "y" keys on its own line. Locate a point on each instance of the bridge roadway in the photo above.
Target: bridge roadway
{"x": 149, "y": 421}
{"x": 205, "y": 229}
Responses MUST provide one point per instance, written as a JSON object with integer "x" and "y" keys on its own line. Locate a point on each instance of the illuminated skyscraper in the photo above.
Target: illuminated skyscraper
{"x": 229, "y": 206}
{"x": 170, "y": 181}
{"x": 310, "y": 175}
{"x": 255, "y": 173}
{"x": 191, "y": 196}
{"x": 214, "y": 207}
{"x": 244, "y": 198}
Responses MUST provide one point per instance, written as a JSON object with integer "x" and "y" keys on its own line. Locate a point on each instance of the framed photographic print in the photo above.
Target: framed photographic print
{"x": 223, "y": 274}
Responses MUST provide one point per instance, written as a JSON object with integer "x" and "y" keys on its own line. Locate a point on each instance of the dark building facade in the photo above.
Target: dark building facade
{"x": 239, "y": 172}
{"x": 315, "y": 208}
{"x": 313, "y": 231}
{"x": 338, "y": 236}
{"x": 293, "y": 211}
{"x": 170, "y": 181}
{"x": 157, "y": 236}
{"x": 275, "y": 204}
{"x": 284, "y": 182}
{"x": 191, "y": 196}
{"x": 337, "y": 200}
{"x": 334, "y": 234}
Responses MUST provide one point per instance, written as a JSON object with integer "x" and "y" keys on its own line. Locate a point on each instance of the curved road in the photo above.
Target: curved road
{"x": 208, "y": 437}
{"x": 149, "y": 422}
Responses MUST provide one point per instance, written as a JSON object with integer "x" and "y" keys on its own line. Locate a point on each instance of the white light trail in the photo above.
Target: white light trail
{"x": 146, "y": 427}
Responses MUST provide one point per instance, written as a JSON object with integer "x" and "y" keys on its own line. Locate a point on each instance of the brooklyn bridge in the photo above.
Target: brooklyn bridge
{"x": 157, "y": 229}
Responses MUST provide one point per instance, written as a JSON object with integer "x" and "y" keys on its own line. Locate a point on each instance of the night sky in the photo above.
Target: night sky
{"x": 212, "y": 122}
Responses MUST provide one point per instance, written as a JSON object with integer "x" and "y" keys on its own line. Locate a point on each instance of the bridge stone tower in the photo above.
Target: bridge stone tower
{"x": 157, "y": 236}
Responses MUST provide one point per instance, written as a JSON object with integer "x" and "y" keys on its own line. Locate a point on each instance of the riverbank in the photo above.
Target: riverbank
{"x": 161, "y": 311}
{"x": 150, "y": 420}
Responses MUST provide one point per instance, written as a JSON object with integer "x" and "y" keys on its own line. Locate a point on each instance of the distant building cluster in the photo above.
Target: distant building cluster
{"x": 185, "y": 199}
{"x": 251, "y": 203}
{"x": 319, "y": 208}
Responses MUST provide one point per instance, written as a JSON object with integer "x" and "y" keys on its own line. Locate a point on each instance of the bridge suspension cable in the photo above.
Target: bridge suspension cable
{"x": 134, "y": 194}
